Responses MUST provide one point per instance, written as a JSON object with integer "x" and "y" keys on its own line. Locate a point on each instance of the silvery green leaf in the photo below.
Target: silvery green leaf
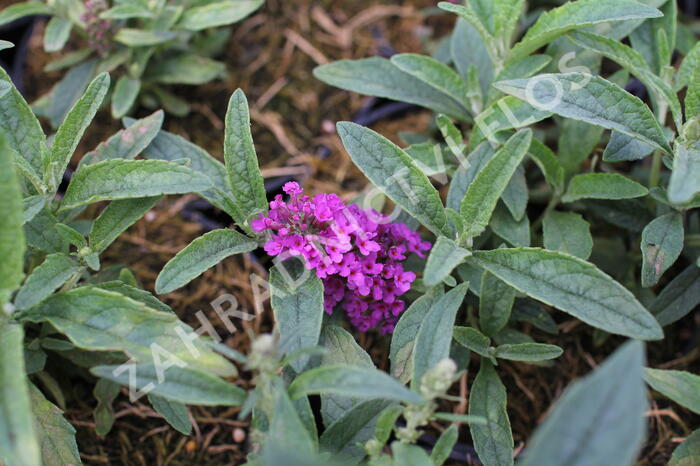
{"x": 483, "y": 193}
{"x": 218, "y": 14}
{"x": 185, "y": 69}
{"x": 296, "y": 296}
{"x": 680, "y": 386}
{"x": 548, "y": 163}
{"x": 472, "y": 339}
{"x": 353, "y": 381}
{"x": 409, "y": 455}
{"x": 105, "y": 392}
{"x": 137, "y": 294}
{"x": 608, "y": 405}
{"x": 12, "y": 244}
{"x": 437, "y": 75}
{"x": 200, "y": 255}
{"x": 379, "y": 77}
{"x": 528, "y": 352}
{"x": 679, "y": 297}
{"x": 516, "y": 233}
{"x": 125, "y": 92}
{"x": 32, "y": 206}
{"x": 71, "y": 235}
{"x": 685, "y": 176}
{"x": 444, "y": 445}
{"x": 688, "y": 452}
{"x": 603, "y": 186}
{"x": 435, "y": 333}
{"x": 468, "y": 13}
{"x": 71, "y": 130}
{"x": 141, "y": 38}
{"x": 687, "y": 68}
{"x": 56, "y": 34}
{"x": 444, "y": 256}
{"x": 175, "y": 413}
{"x": 467, "y": 49}
{"x": 662, "y": 243}
{"x": 127, "y": 179}
{"x": 567, "y": 232}
{"x": 573, "y": 286}
{"x": 495, "y": 304}
{"x": 22, "y": 9}
{"x": 466, "y": 172}
{"x": 395, "y": 173}
{"x": 5, "y": 45}
{"x": 577, "y": 140}
{"x": 241, "y": 160}
{"x": 182, "y": 384}
{"x": 623, "y": 148}
{"x": 116, "y": 218}
{"x": 591, "y": 99}
{"x": 648, "y": 40}
{"x": 45, "y": 279}
{"x": 516, "y": 195}
{"x": 58, "y": 101}
{"x": 575, "y": 15}
{"x": 404, "y": 338}
{"x": 18, "y": 437}
{"x": 506, "y": 113}
{"x": 527, "y": 310}
{"x": 55, "y": 434}
{"x": 41, "y": 233}
{"x": 494, "y": 441}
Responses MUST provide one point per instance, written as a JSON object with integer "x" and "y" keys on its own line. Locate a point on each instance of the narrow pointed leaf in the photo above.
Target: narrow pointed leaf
{"x": 603, "y": 186}
{"x": 528, "y": 352}
{"x": 495, "y": 303}
{"x": 623, "y": 148}
{"x": 662, "y": 243}
{"x": 432, "y": 72}
{"x": 444, "y": 257}
{"x": 55, "y": 434}
{"x": 680, "y": 386}
{"x": 127, "y": 143}
{"x": 45, "y": 279}
{"x": 175, "y": 413}
{"x": 116, "y": 218}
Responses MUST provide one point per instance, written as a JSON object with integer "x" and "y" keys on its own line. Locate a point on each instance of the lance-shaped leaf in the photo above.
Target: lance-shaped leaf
{"x": 528, "y": 352}
{"x": 127, "y": 179}
{"x": 488, "y": 185}
{"x": 296, "y": 296}
{"x": 623, "y": 148}
{"x": 141, "y": 38}
{"x": 100, "y": 320}
{"x": 506, "y": 113}
{"x": 444, "y": 445}
{"x": 687, "y": 68}
{"x": 591, "y": 99}
{"x": 353, "y": 381}
{"x": 574, "y": 15}
{"x": 662, "y": 243}
{"x": 468, "y": 51}
{"x": 241, "y": 160}
{"x": 182, "y": 384}
{"x": 56, "y": 436}
{"x": 567, "y": 232}
{"x": 685, "y": 177}
{"x": 608, "y": 406}
{"x": 288, "y": 438}
{"x": 45, "y": 279}
{"x": 444, "y": 257}
{"x": 185, "y": 68}
{"x": 71, "y": 130}
{"x": 473, "y": 339}
{"x": 494, "y": 440}
{"x": 435, "y": 334}
{"x": 18, "y": 441}
{"x": 218, "y": 14}
{"x": 680, "y": 386}
{"x": 434, "y": 73}
{"x": 127, "y": 143}
{"x": 12, "y": 245}
{"x": 56, "y": 34}
{"x": 574, "y": 286}
{"x": 22, "y": 9}
{"x": 174, "y": 412}
{"x": 679, "y": 297}
{"x": 19, "y": 125}
{"x": 381, "y": 78}
{"x": 603, "y": 186}
{"x": 394, "y": 172}
{"x": 495, "y": 303}
{"x": 125, "y": 93}
{"x": 200, "y": 255}
{"x": 116, "y": 218}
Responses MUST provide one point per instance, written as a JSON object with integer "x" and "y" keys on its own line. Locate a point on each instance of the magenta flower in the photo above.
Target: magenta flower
{"x": 357, "y": 253}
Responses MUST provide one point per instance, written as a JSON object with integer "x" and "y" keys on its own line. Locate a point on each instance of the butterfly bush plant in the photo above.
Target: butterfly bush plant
{"x": 149, "y": 45}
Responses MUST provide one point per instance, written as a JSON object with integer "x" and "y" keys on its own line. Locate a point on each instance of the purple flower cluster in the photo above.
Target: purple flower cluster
{"x": 98, "y": 30}
{"x": 357, "y": 253}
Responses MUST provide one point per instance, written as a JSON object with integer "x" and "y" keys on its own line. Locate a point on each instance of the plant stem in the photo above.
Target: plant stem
{"x": 655, "y": 173}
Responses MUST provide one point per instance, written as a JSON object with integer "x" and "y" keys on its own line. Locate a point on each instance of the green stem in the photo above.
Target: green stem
{"x": 655, "y": 173}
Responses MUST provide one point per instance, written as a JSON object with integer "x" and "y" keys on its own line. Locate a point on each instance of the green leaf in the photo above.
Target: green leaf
{"x": 528, "y": 352}
{"x": 20, "y": 10}
{"x": 6, "y": 45}
{"x": 577, "y": 140}
{"x": 567, "y": 232}
{"x": 623, "y": 148}
{"x": 608, "y": 405}
{"x": 353, "y": 381}
{"x": 200, "y": 255}
{"x": 125, "y": 92}
{"x": 137, "y": 294}
{"x": 679, "y": 297}
{"x": 444, "y": 445}
{"x": 692, "y": 96}
{"x": 444, "y": 256}
{"x": 506, "y": 113}
{"x": 18, "y": 441}
{"x": 296, "y": 296}
{"x": 12, "y": 244}
{"x": 467, "y": 50}
{"x": 685, "y": 177}
{"x": 515, "y": 196}
{"x": 548, "y": 164}
{"x": 241, "y": 160}
{"x": 58, "y": 101}
{"x": 100, "y": 320}
{"x": 687, "y": 68}
{"x": 432, "y": 72}
{"x": 140, "y": 38}
{"x": 435, "y": 334}
{"x": 116, "y": 218}
{"x": 483, "y": 193}
{"x": 574, "y": 15}
{"x": 680, "y": 386}
{"x": 662, "y": 243}
{"x": 395, "y": 174}
{"x": 218, "y": 14}
{"x": 287, "y": 432}
{"x": 71, "y": 130}
{"x": 404, "y": 338}
{"x": 591, "y": 99}
{"x": 494, "y": 441}
{"x": 527, "y": 310}
{"x": 473, "y": 339}
{"x": 19, "y": 125}
{"x": 495, "y": 304}
{"x": 466, "y": 172}
{"x": 176, "y": 414}
{"x": 688, "y": 452}
{"x": 105, "y": 392}
{"x": 574, "y": 286}
{"x": 603, "y": 186}
{"x": 128, "y": 179}
{"x": 185, "y": 69}
{"x": 56, "y": 436}
{"x": 127, "y": 143}
{"x": 56, "y": 34}
{"x": 41, "y": 233}
{"x": 45, "y": 279}
{"x": 517, "y": 233}
{"x": 379, "y": 77}
{"x": 184, "y": 385}
{"x": 478, "y": 20}
{"x": 647, "y": 38}
{"x": 127, "y": 11}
